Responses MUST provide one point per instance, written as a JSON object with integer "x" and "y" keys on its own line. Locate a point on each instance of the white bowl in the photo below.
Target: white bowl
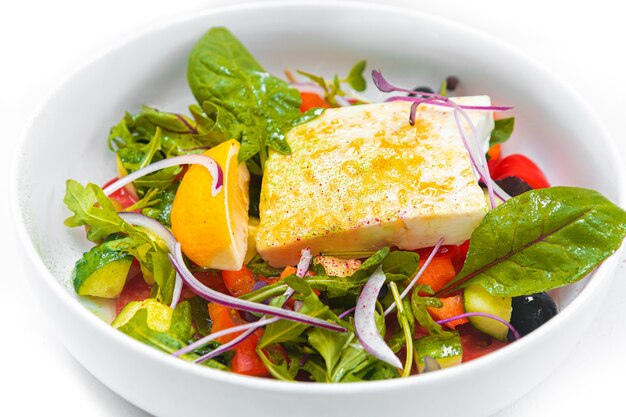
{"x": 67, "y": 139}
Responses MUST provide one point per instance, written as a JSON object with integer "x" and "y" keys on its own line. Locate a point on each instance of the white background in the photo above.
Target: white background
{"x": 41, "y": 41}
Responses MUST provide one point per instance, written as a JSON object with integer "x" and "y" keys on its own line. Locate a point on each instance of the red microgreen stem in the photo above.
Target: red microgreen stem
{"x": 417, "y": 276}
{"x": 479, "y": 161}
{"x": 347, "y": 312}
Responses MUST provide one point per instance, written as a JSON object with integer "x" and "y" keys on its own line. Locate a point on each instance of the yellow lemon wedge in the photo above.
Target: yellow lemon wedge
{"x": 213, "y": 230}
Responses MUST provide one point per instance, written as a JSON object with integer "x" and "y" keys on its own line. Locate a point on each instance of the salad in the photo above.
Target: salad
{"x": 292, "y": 229}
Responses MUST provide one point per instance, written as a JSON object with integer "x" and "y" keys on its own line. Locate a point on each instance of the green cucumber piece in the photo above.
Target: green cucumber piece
{"x": 445, "y": 349}
{"x": 159, "y": 315}
{"x": 478, "y": 299}
{"x": 101, "y": 272}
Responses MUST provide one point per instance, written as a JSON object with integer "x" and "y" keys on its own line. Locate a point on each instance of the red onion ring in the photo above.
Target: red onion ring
{"x": 206, "y": 161}
{"x": 162, "y": 233}
{"x": 206, "y": 339}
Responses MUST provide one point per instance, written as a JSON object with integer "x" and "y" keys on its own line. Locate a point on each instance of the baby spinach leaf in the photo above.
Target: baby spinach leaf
{"x": 540, "y": 240}
{"x": 502, "y": 131}
{"x": 355, "y": 77}
{"x": 244, "y": 101}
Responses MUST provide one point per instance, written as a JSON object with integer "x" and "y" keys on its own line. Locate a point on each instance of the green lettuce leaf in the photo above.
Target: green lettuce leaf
{"x": 540, "y": 240}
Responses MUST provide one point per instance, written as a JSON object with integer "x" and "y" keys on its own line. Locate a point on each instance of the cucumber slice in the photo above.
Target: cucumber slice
{"x": 478, "y": 299}
{"x": 101, "y": 272}
{"x": 159, "y": 315}
{"x": 445, "y": 349}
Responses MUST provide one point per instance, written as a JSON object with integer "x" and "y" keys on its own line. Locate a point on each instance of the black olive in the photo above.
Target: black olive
{"x": 531, "y": 311}
{"x": 452, "y": 83}
{"x": 513, "y": 186}
{"x": 421, "y": 89}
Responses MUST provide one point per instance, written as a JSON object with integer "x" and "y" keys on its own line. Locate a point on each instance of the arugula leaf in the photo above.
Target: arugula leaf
{"x": 137, "y": 328}
{"x": 160, "y": 207}
{"x": 368, "y": 266}
{"x": 502, "y": 131}
{"x": 276, "y": 364}
{"x": 329, "y": 344}
{"x": 540, "y": 240}
{"x": 259, "y": 266}
{"x": 200, "y": 315}
{"x": 152, "y": 135}
{"x": 419, "y": 307}
{"x": 284, "y": 330}
{"x": 243, "y": 100}
{"x": 94, "y": 209}
{"x": 332, "y": 89}
{"x": 399, "y": 265}
{"x": 315, "y": 367}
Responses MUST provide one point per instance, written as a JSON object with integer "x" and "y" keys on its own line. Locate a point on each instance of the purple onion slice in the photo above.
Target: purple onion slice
{"x": 226, "y": 346}
{"x": 206, "y": 161}
{"x": 233, "y": 302}
{"x": 206, "y": 339}
{"x": 365, "y": 321}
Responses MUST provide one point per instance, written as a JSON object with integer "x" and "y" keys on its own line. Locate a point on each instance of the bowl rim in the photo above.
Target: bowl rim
{"x": 601, "y": 275}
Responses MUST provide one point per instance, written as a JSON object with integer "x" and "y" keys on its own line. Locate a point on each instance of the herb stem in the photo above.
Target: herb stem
{"x": 264, "y": 293}
{"x": 406, "y": 328}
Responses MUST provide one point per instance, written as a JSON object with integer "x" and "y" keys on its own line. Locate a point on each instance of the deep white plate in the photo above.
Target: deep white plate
{"x": 67, "y": 139}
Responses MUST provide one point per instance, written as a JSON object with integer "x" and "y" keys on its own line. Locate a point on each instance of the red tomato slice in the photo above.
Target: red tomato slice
{"x": 246, "y": 360}
{"x": 212, "y": 279}
{"x": 519, "y": 166}
{"x": 239, "y": 282}
{"x": 311, "y": 101}
{"x": 122, "y": 197}
{"x": 476, "y": 344}
{"x": 135, "y": 288}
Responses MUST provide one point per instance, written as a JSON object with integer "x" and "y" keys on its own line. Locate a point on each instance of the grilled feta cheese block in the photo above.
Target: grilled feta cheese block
{"x": 360, "y": 178}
